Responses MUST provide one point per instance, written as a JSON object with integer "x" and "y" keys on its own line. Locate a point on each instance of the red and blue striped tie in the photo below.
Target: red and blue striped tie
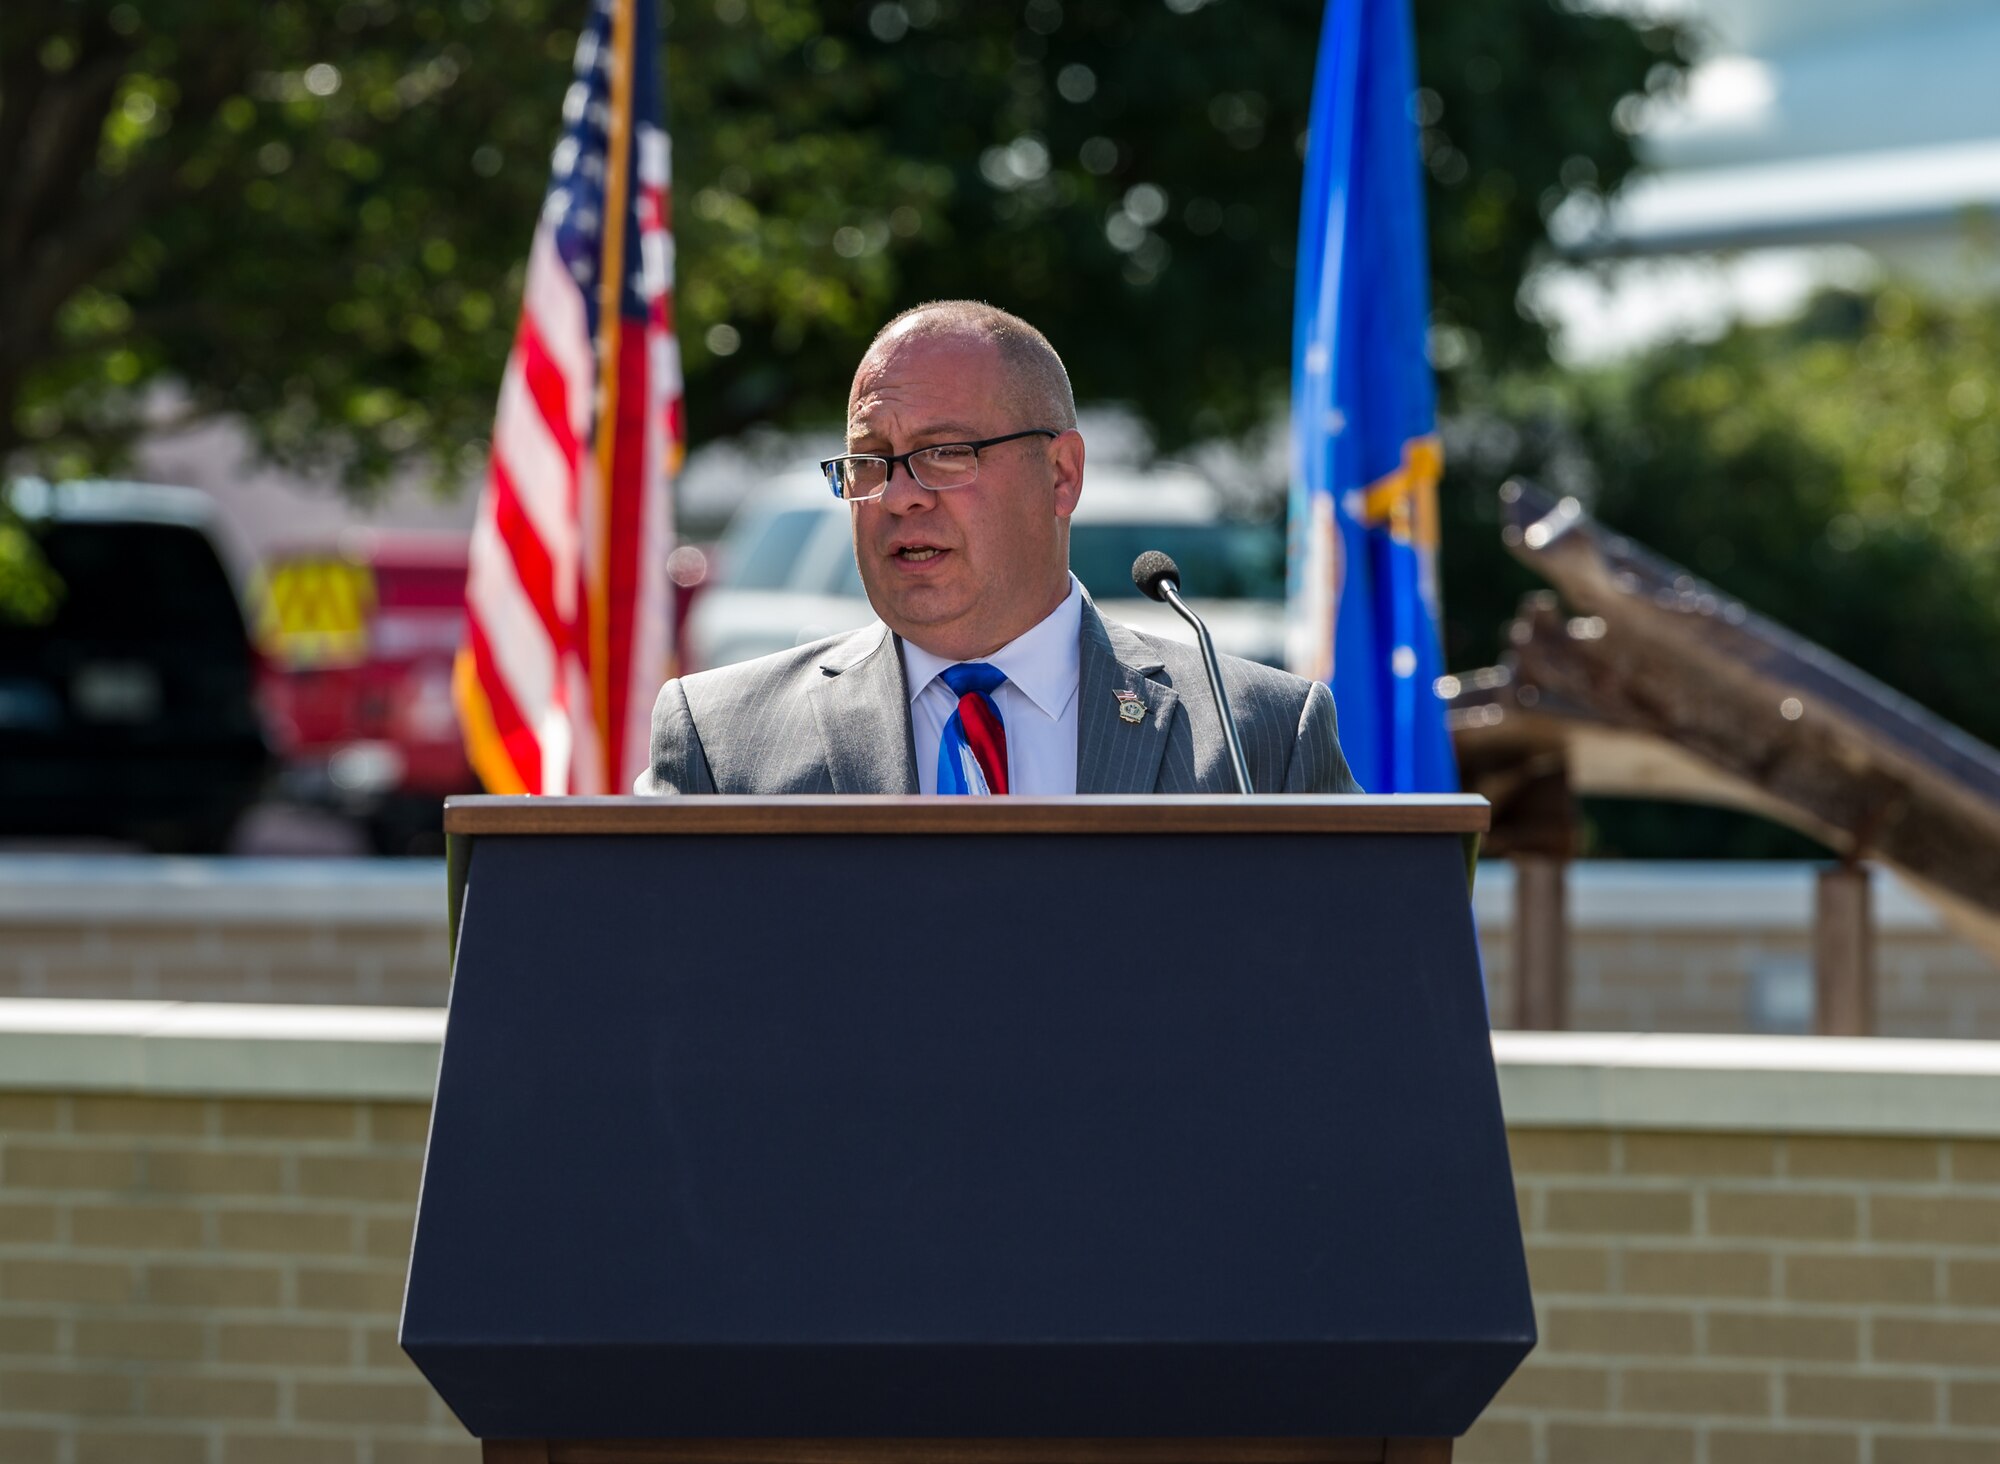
{"x": 972, "y": 753}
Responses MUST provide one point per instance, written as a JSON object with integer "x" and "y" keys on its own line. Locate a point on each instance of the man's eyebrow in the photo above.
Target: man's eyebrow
{"x": 929, "y": 433}
{"x": 948, "y": 430}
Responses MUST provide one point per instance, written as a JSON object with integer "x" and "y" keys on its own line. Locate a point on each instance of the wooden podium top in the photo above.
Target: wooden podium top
{"x": 1427, "y": 813}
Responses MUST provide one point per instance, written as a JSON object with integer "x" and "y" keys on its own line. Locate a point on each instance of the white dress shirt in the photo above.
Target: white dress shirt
{"x": 1037, "y": 703}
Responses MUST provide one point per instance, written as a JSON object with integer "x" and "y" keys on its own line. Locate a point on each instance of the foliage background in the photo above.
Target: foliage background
{"x": 313, "y": 216}
{"x": 1840, "y": 473}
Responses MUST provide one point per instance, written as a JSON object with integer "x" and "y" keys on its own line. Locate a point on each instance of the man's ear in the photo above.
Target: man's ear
{"x": 1066, "y": 452}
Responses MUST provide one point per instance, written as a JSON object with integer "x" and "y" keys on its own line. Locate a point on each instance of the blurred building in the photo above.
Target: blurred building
{"x": 1817, "y": 142}
{"x": 265, "y": 507}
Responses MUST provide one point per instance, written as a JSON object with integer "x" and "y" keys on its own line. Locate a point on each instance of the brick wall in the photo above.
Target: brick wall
{"x": 1727, "y": 948}
{"x": 1744, "y": 1292}
{"x": 1687, "y": 948}
{"x": 363, "y": 932}
{"x": 1750, "y": 1298}
{"x": 1744, "y": 1251}
{"x": 188, "y": 1280}
{"x": 1640, "y": 977}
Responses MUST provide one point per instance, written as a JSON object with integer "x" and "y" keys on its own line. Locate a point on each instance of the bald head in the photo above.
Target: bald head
{"x": 1037, "y": 388}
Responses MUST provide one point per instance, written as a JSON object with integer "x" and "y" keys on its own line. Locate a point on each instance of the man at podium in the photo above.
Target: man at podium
{"x": 991, "y": 671}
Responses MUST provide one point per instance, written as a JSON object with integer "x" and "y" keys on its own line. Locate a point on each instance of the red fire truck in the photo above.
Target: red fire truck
{"x": 358, "y": 637}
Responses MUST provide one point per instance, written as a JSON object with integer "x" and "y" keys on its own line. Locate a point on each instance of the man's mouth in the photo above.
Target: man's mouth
{"x": 917, "y": 553}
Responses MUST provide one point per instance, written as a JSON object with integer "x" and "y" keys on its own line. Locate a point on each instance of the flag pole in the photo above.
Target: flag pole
{"x": 611, "y": 288}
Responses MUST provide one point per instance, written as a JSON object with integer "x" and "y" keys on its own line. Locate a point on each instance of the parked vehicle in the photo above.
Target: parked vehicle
{"x": 785, "y": 571}
{"x": 129, "y": 710}
{"x": 358, "y": 637}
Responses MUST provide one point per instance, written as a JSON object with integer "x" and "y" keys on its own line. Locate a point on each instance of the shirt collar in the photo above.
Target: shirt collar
{"x": 1043, "y": 663}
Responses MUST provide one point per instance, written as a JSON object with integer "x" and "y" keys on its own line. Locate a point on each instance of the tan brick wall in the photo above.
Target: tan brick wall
{"x": 372, "y": 933}
{"x": 1718, "y": 947}
{"x": 1656, "y": 978}
{"x": 210, "y": 1280}
{"x": 309, "y": 961}
{"x": 218, "y": 1280}
{"x": 1711, "y": 1298}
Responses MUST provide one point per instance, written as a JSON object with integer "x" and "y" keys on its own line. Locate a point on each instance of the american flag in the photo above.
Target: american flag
{"x": 568, "y": 609}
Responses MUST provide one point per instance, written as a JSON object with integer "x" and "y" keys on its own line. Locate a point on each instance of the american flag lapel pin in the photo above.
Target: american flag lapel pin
{"x": 1130, "y": 708}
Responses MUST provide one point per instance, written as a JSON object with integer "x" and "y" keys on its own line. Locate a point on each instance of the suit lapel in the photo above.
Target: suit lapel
{"x": 1112, "y": 754}
{"x": 862, "y": 707}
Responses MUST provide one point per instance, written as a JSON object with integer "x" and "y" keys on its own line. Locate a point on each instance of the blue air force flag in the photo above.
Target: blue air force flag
{"x": 1365, "y": 453}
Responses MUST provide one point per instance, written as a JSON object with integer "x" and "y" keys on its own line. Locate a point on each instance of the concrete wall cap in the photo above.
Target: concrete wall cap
{"x": 1749, "y": 1084}
{"x": 220, "y": 1049}
{"x": 100, "y": 889}
{"x": 1547, "y": 1079}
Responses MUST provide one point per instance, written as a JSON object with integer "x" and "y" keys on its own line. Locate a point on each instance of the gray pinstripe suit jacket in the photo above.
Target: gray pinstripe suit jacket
{"x": 834, "y": 717}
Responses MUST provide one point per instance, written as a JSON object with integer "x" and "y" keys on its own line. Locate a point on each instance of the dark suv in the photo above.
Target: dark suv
{"x": 129, "y": 711}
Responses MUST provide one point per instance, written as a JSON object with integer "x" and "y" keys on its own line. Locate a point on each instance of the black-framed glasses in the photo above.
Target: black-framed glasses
{"x": 858, "y": 477}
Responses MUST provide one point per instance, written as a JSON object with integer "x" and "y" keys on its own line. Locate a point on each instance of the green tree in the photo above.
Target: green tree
{"x": 264, "y": 203}
{"x": 1840, "y": 473}
{"x": 1129, "y": 175}
{"x": 314, "y": 214}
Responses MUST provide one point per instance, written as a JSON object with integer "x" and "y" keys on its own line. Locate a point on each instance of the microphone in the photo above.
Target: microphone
{"x": 1159, "y": 578}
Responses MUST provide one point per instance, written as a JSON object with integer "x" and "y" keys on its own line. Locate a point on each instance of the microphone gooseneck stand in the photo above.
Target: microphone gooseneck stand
{"x": 1158, "y": 577}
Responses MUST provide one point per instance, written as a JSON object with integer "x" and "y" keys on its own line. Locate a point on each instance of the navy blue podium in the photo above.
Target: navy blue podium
{"x": 823, "y": 1130}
